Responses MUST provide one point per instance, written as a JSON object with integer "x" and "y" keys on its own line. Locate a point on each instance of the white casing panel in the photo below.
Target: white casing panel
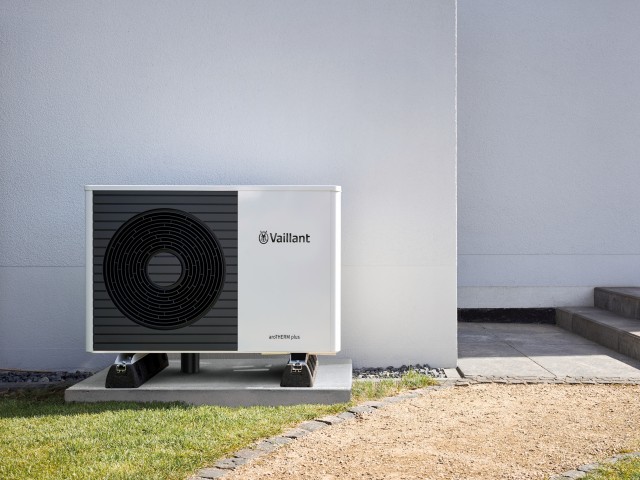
{"x": 288, "y": 292}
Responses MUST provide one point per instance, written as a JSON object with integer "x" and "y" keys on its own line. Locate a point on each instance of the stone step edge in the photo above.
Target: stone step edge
{"x": 613, "y": 291}
{"x": 263, "y": 447}
{"x": 622, "y": 339}
{"x": 611, "y": 294}
{"x": 585, "y": 316}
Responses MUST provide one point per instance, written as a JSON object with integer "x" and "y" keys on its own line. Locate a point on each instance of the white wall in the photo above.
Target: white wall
{"x": 548, "y": 150}
{"x": 358, "y": 93}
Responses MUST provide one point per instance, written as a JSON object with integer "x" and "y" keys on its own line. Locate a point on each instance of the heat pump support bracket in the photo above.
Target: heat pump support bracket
{"x": 300, "y": 371}
{"x": 189, "y": 362}
{"x": 131, "y": 370}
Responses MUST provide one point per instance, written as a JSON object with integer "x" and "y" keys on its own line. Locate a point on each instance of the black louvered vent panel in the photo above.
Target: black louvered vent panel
{"x": 165, "y": 271}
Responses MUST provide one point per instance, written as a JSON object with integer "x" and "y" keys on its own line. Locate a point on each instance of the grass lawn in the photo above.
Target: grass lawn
{"x": 628, "y": 469}
{"x": 41, "y": 437}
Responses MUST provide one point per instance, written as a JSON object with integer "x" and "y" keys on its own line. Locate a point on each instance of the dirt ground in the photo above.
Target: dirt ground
{"x": 480, "y": 432}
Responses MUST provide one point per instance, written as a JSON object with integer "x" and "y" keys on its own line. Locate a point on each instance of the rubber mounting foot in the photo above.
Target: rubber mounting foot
{"x": 300, "y": 371}
{"x": 131, "y": 371}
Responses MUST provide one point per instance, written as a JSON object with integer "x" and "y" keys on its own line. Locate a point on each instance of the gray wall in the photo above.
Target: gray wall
{"x": 548, "y": 150}
{"x": 358, "y": 93}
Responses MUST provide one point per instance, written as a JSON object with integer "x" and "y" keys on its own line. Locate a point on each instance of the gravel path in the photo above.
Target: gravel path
{"x": 20, "y": 377}
{"x": 397, "y": 372}
{"x": 484, "y": 431}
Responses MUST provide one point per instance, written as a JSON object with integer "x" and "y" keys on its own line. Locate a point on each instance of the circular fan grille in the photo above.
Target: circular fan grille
{"x": 140, "y": 241}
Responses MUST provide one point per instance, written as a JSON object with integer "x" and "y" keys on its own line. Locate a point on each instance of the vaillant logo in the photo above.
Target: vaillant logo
{"x": 266, "y": 237}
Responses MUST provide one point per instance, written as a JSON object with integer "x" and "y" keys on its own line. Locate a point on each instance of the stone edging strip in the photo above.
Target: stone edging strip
{"x": 526, "y": 380}
{"x": 226, "y": 465}
{"x": 582, "y": 470}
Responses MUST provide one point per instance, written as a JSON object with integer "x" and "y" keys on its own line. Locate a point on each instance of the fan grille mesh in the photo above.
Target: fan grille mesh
{"x": 149, "y": 303}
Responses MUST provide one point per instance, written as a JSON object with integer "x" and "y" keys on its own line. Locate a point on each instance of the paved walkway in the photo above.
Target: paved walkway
{"x": 520, "y": 350}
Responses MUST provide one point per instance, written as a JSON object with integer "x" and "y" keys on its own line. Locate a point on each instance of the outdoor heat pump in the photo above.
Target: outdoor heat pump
{"x": 192, "y": 269}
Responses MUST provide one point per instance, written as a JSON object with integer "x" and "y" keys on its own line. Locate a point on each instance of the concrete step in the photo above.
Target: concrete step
{"x": 604, "y": 327}
{"x": 624, "y": 301}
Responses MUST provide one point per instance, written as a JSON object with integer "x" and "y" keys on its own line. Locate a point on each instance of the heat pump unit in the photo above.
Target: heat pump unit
{"x": 191, "y": 269}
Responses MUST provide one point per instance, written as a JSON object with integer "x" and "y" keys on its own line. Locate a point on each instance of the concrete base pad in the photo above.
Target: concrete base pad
{"x": 226, "y": 382}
